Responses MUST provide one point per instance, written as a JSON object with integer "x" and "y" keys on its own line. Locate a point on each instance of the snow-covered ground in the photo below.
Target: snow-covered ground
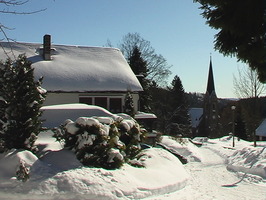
{"x": 214, "y": 171}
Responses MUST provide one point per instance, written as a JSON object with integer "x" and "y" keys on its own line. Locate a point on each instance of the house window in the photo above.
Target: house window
{"x": 86, "y": 100}
{"x": 112, "y": 103}
{"x": 101, "y": 101}
{"x": 115, "y": 105}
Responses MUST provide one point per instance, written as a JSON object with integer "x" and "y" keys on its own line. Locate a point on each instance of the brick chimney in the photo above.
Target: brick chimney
{"x": 47, "y": 47}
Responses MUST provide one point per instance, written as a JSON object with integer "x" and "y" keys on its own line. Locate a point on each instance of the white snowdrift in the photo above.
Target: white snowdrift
{"x": 242, "y": 158}
{"x": 187, "y": 150}
{"x": 249, "y": 160}
{"x": 59, "y": 175}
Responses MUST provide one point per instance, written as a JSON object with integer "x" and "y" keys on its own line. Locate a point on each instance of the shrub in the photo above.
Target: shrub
{"x": 99, "y": 144}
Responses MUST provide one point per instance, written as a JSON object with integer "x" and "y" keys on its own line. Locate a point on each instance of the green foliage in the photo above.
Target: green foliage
{"x": 102, "y": 145}
{"x": 23, "y": 97}
{"x": 139, "y": 67}
{"x": 179, "y": 120}
{"x": 129, "y": 105}
{"x": 23, "y": 173}
{"x": 241, "y": 25}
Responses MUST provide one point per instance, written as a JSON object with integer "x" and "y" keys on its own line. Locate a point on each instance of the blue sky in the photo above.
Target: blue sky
{"x": 175, "y": 29}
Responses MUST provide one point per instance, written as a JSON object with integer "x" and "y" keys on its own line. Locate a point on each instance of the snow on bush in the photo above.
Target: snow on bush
{"x": 102, "y": 141}
{"x": 16, "y": 163}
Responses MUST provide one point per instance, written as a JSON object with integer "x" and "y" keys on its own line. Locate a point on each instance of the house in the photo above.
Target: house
{"x": 195, "y": 116}
{"x": 261, "y": 130}
{"x": 78, "y": 74}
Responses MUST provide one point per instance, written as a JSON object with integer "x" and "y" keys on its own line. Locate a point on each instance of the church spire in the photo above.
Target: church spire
{"x": 210, "y": 84}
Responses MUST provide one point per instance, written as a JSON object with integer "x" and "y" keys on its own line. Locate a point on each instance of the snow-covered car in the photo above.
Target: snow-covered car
{"x": 55, "y": 115}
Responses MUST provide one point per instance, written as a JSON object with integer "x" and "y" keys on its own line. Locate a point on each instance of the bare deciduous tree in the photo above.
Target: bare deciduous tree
{"x": 10, "y": 7}
{"x": 248, "y": 85}
{"x": 158, "y": 69}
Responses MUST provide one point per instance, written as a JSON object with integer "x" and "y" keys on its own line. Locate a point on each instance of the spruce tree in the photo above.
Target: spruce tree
{"x": 179, "y": 120}
{"x": 139, "y": 67}
{"x": 23, "y": 99}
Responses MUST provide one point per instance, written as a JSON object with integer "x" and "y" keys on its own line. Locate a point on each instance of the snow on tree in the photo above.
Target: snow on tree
{"x": 99, "y": 144}
{"x": 23, "y": 173}
{"x": 23, "y": 98}
{"x": 129, "y": 105}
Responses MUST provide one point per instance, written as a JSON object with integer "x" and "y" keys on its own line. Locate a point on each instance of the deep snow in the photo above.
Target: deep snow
{"x": 214, "y": 171}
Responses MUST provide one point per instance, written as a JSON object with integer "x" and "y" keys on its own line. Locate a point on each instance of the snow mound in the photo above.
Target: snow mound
{"x": 249, "y": 160}
{"x": 57, "y": 174}
{"x": 10, "y": 161}
{"x": 186, "y": 149}
{"x": 163, "y": 173}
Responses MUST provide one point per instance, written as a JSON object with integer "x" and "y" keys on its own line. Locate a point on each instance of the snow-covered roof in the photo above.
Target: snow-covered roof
{"x": 143, "y": 115}
{"x": 78, "y": 68}
{"x": 195, "y": 116}
{"x": 261, "y": 130}
{"x": 55, "y": 115}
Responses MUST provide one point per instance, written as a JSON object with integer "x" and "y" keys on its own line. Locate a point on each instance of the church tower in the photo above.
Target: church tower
{"x": 210, "y": 126}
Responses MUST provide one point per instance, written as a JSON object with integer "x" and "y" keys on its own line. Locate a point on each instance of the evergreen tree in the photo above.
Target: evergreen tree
{"x": 179, "y": 117}
{"x": 241, "y": 25}
{"x": 23, "y": 98}
{"x": 129, "y": 105}
{"x": 139, "y": 67}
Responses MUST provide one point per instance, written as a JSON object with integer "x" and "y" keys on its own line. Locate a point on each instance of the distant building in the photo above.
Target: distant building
{"x": 205, "y": 121}
{"x": 210, "y": 108}
{"x": 196, "y": 117}
{"x": 261, "y": 130}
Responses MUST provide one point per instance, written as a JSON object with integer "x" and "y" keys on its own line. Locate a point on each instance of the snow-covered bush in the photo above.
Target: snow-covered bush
{"x": 21, "y": 99}
{"x": 22, "y": 173}
{"x": 131, "y": 135}
{"x": 100, "y": 142}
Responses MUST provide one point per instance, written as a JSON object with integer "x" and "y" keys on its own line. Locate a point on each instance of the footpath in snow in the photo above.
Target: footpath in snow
{"x": 213, "y": 178}
{"x": 214, "y": 171}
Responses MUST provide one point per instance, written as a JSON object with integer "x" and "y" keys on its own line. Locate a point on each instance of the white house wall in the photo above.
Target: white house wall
{"x": 61, "y": 98}
{"x": 64, "y": 98}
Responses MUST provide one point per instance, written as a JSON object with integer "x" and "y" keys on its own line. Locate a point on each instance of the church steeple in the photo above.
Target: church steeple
{"x": 210, "y": 120}
{"x": 210, "y": 84}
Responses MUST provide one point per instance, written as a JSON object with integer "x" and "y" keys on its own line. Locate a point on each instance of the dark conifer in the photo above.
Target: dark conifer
{"x": 139, "y": 67}
{"x": 179, "y": 118}
{"x": 23, "y": 98}
{"x": 129, "y": 105}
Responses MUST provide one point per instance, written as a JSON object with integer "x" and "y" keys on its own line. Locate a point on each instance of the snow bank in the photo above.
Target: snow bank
{"x": 243, "y": 158}
{"x": 186, "y": 149}
{"x": 57, "y": 174}
{"x": 249, "y": 160}
{"x": 10, "y": 161}
{"x": 163, "y": 173}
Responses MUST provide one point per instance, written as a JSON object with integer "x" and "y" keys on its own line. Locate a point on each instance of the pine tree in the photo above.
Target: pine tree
{"x": 23, "y": 99}
{"x": 139, "y": 67}
{"x": 179, "y": 118}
